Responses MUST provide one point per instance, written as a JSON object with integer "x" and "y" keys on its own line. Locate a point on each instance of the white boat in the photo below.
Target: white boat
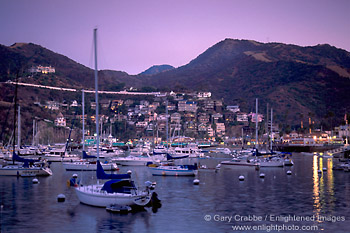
{"x": 221, "y": 150}
{"x": 239, "y": 162}
{"x": 174, "y": 170}
{"x": 191, "y": 152}
{"x": 133, "y": 160}
{"x": 160, "y": 149}
{"x": 59, "y": 155}
{"x": 26, "y": 167}
{"x": 120, "y": 189}
{"x": 274, "y": 161}
{"x": 89, "y": 166}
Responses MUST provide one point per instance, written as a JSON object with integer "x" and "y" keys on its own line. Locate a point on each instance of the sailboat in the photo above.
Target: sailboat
{"x": 120, "y": 189}
{"x": 86, "y": 164}
{"x": 23, "y": 167}
{"x": 170, "y": 168}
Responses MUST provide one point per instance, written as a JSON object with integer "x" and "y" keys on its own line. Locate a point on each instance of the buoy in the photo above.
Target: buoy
{"x": 75, "y": 175}
{"x": 35, "y": 181}
{"x": 324, "y": 169}
{"x": 262, "y": 175}
{"x": 196, "y": 182}
{"x": 319, "y": 171}
{"x": 241, "y": 178}
{"x": 61, "y": 197}
{"x": 289, "y": 172}
{"x": 129, "y": 172}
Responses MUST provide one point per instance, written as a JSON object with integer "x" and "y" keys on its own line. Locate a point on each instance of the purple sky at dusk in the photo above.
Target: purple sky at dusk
{"x": 136, "y": 34}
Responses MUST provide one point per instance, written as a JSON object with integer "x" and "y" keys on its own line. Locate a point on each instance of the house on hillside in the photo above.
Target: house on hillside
{"x": 60, "y": 121}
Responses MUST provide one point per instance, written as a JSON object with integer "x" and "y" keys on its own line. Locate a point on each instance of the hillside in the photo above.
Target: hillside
{"x": 298, "y": 82}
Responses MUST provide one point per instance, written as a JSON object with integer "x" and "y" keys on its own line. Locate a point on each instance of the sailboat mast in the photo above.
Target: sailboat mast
{"x": 96, "y": 97}
{"x": 19, "y": 127}
{"x": 256, "y": 123}
{"x": 166, "y": 127}
{"x": 83, "y": 112}
{"x": 271, "y": 128}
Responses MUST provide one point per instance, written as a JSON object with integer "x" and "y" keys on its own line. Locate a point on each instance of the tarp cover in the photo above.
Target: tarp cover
{"x": 25, "y": 161}
{"x": 118, "y": 186}
{"x": 100, "y": 173}
{"x": 86, "y": 156}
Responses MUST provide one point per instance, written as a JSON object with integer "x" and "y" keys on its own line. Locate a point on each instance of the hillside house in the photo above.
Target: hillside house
{"x": 60, "y": 121}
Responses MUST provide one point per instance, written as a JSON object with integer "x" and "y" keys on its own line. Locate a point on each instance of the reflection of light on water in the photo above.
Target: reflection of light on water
{"x": 330, "y": 183}
{"x": 322, "y": 188}
{"x": 316, "y": 189}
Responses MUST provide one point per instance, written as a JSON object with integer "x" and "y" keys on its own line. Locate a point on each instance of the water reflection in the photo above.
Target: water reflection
{"x": 316, "y": 189}
{"x": 323, "y": 186}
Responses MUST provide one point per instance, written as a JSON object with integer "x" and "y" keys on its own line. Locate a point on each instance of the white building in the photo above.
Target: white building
{"x": 60, "y": 120}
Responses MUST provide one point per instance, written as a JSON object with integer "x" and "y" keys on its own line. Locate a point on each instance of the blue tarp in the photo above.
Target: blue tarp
{"x": 100, "y": 173}
{"x": 118, "y": 186}
{"x": 24, "y": 161}
{"x": 86, "y": 156}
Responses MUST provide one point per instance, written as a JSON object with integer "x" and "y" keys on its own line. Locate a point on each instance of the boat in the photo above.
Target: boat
{"x": 120, "y": 189}
{"x": 137, "y": 160}
{"x": 174, "y": 170}
{"x": 89, "y": 166}
{"x": 239, "y": 162}
{"x": 170, "y": 169}
{"x": 59, "y": 154}
{"x": 21, "y": 166}
{"x": 272, "y": 161}
{"x": 25, "y": 167}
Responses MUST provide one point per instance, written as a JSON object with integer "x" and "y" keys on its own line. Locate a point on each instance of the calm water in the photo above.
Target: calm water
{"x": 220, "y": 203}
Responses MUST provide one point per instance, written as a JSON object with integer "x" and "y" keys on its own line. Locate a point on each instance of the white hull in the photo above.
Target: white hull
{"x": 133, "y": 161}
{"x": 14, "y": 170}
{"x": 86, "y": 166}
{"x": 240, "y": 163}
{"x": 172, "y": 171}
{"x": 92, "y": 195}
{"x": 272, "y": 164}
{"x": 51, "y": 158}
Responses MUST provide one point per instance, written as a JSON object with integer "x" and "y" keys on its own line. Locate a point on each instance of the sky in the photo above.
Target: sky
{"x": 133, "y": 35}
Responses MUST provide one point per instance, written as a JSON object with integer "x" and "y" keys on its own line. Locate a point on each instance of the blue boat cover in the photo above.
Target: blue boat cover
{"x": 118, "y": 186}
{"x": 86, "y": 156}
{"x": 100, "y": 173}
{"x": 24, "y": 161}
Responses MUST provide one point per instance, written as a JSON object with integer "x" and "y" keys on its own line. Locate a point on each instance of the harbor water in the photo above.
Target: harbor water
{"x": 310, "y": 199}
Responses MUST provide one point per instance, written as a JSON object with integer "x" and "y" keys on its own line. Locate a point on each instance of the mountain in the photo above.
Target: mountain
{"x": 157, "y": 69}
{"x": 298, "y": 82}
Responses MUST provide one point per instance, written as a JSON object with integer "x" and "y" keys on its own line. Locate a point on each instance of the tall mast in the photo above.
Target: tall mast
{"x": 33, "y": 132}
{"x": 19, "y": 128}
{"x": 83, "y": 112}
{"x": 271, "y": 129}
{"x": 256, "y": 123}
{"x": 166, "y": 127}
{"x": 96, "y": 96}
